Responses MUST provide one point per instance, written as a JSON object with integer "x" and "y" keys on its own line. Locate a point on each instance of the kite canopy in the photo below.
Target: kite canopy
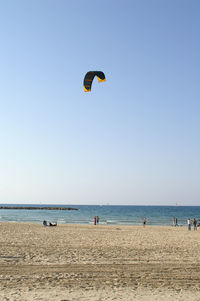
{"x": 87, "y": 84}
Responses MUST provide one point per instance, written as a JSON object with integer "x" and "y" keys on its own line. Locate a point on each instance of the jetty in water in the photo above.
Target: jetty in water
{"x": 36, "y": 208}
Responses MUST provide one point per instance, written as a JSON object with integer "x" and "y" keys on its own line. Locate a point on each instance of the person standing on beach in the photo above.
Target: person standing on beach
{"x": 95, "y": 220}
{"x": 189, "y": 224}
{"x": 176, "y": 222}
{"x": 195, "y": 224}
{"x": 144, "y": 221}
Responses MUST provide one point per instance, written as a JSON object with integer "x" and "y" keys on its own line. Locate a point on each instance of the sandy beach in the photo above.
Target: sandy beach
{"x": 86, "y": 262}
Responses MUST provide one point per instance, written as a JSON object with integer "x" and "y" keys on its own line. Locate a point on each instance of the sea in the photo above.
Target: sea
{"x": 109, "y": 215}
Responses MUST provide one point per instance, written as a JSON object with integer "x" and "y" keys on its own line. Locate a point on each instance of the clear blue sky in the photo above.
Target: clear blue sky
{"x": 132, "y": 140}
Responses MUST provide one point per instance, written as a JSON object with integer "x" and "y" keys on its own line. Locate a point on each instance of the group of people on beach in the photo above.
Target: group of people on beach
{"x": 96, "y": 220}
{"x": 195, "y": 223}
{"x": 175, "y": 222}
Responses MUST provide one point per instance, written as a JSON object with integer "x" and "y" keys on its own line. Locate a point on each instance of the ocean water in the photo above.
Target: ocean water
{"x": 109, "y": 215}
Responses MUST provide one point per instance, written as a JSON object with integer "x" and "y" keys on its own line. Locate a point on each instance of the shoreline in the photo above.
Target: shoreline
{"x": 99, "y": 225}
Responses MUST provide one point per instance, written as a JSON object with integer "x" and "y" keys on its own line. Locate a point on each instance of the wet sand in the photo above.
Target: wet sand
{"x": 86, "y": 262}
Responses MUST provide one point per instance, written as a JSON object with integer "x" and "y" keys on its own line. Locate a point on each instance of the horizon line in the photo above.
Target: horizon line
{"x": 107, "y": 204}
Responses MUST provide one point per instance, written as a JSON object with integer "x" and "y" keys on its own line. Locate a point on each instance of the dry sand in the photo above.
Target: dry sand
{"x": 86, "y": 262}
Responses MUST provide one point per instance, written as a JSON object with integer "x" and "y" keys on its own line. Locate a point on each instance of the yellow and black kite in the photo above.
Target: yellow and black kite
{"x": 88, "y": 79}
